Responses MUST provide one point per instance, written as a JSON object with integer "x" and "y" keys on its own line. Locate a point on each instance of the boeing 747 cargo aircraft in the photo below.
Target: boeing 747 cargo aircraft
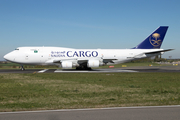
{"x": 87, "y": 58}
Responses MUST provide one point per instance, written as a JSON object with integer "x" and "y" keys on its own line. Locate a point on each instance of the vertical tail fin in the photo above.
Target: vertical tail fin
{"x": 154, "y": 40}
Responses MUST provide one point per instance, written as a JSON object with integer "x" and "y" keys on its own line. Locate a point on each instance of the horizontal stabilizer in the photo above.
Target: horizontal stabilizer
{"x": 154, "y": 52}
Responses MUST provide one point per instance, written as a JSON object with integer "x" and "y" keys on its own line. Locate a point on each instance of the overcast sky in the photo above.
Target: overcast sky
{"x": 108, "y": 24}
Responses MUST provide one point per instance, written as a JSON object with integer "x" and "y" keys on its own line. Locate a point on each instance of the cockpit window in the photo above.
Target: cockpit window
{"x": 16, "y": 49}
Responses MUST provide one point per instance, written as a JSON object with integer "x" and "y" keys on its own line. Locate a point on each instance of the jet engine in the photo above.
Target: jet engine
{"x": 66, "y": 64}
{"x": 93, "y": 63}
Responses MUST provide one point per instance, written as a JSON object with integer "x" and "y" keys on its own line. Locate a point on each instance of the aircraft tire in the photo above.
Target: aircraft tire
{"x": 22, "y": 68}
{"x": 83, "y": 68}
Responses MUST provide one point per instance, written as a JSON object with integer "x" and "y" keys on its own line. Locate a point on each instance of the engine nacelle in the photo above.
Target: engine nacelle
{"x": 66, "y": 64}
{"x": 93, "y": 63}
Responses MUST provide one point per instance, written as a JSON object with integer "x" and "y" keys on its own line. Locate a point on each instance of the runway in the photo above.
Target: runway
{"x": 123, "y": 113}
{"x": 107, "y": 70}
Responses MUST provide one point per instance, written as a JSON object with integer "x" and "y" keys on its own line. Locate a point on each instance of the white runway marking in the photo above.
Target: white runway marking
{"x": 87, "y": 71}
{"x": 111, "y": 108}
{"x": 127, "y": 71}
{"x": 43, "y": 71}
{"x": 69, "y": 71}
{"x": 92, "y": 71}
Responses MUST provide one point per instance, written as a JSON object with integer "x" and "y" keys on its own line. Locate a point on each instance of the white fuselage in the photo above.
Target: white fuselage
{"x": 56, "y": 55}
{"x": 87, "y": 58}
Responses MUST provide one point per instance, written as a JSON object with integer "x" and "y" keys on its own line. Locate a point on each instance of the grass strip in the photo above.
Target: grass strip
{"x": 87, "y": 90}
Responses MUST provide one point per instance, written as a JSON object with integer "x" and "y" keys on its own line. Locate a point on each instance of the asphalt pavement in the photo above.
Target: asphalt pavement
{"x": 127, "y": 69}
{"x": 127, "y": 113}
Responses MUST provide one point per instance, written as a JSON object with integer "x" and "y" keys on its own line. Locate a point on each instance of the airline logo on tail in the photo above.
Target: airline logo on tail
{"x": 155, "y": 40}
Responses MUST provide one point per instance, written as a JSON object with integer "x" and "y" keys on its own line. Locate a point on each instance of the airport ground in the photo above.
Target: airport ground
{"x": 144, "y": 67}
{"x": 125, "y": 67}
{"x": 52, "y": 89}
{"x": 123, "y": 113}
{"x": 35, "y": 91}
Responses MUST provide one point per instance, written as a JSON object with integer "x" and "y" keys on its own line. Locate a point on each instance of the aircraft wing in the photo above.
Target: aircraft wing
{"x": 59, "y": 61}
{"x": 80, "y": 61}
{"x": 83, "y": 61}
{"x": 108, "y": 60}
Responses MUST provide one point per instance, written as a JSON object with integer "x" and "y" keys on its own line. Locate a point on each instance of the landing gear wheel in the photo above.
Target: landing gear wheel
{"x": 22, "y": 68}
{"x": 83, "y": 68}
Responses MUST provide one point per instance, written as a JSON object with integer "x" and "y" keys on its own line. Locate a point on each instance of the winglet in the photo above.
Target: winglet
{"x": 153, "y": 41}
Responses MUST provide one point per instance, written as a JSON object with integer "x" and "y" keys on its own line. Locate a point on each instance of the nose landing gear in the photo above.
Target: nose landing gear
{"x": 22, "y": 68}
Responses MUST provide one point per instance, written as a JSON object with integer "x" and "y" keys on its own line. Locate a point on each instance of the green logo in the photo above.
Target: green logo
{"x": 35, "y": 51}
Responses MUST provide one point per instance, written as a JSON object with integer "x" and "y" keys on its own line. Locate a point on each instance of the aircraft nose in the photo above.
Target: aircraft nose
{"x": 9, "y": 57}
{"x": 6, "y": 57}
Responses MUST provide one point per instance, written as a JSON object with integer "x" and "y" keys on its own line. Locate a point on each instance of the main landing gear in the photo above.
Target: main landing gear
{"x": 83, "y": 68}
